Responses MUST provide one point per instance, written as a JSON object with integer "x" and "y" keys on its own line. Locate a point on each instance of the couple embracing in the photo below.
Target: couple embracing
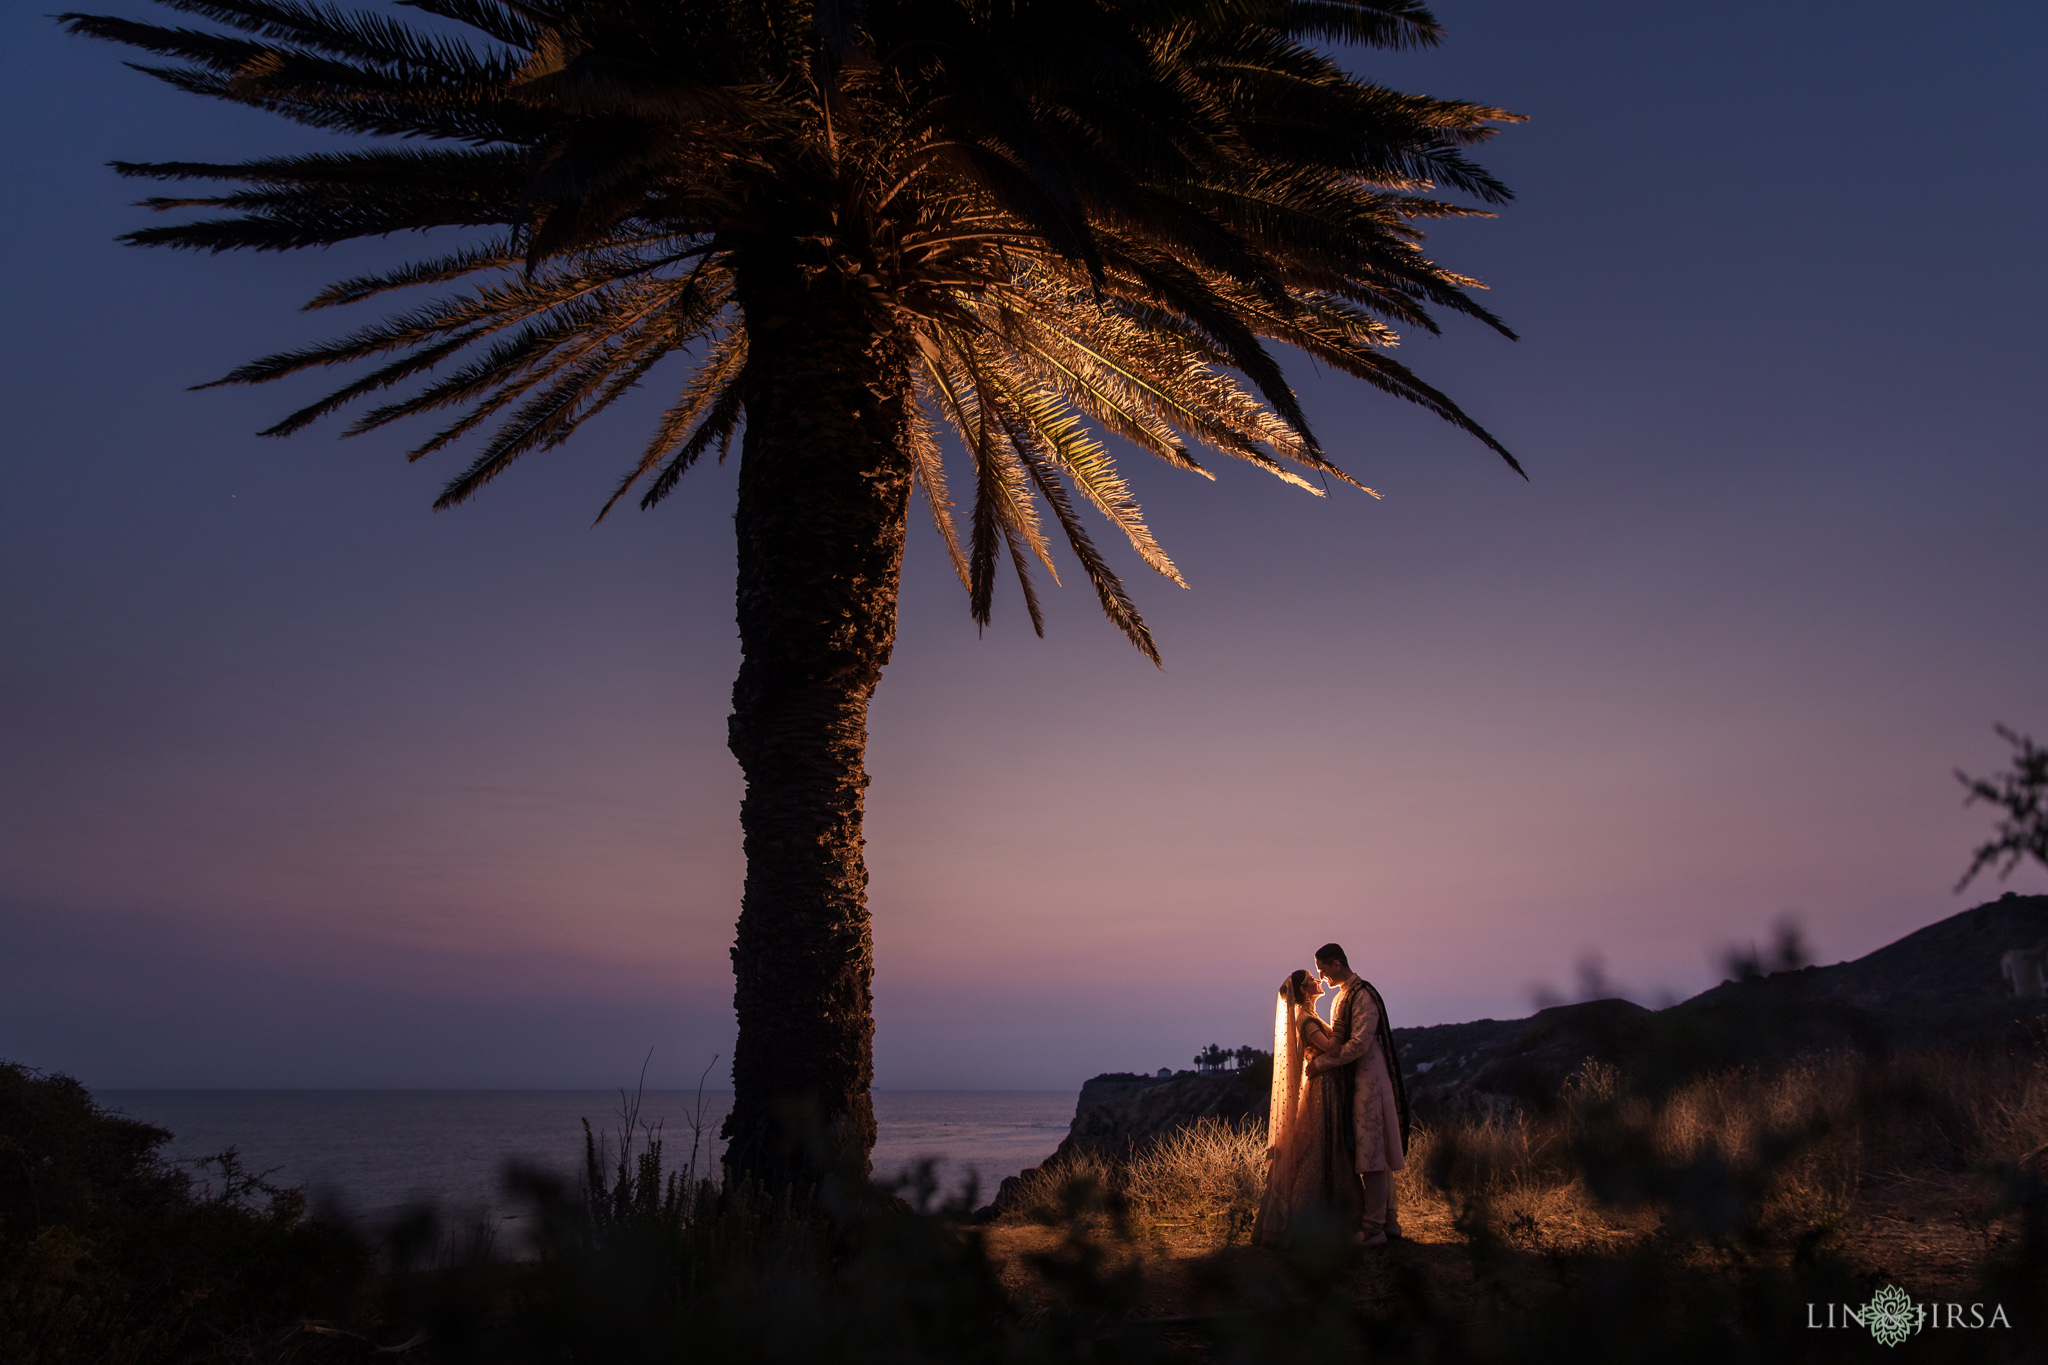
{"x": 1339, "y": 1125}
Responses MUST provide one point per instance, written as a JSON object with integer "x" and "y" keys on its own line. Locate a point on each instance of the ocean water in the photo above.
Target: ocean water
{"x": 373, "y": 1153}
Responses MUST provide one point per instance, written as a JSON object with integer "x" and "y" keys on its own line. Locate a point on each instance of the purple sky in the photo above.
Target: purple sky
{"x": 304, "y": 784}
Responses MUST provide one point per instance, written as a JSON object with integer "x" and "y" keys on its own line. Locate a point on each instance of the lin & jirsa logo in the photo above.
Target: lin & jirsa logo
{"x": 1892, "y": 1315}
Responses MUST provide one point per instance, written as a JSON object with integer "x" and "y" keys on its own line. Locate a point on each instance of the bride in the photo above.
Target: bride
{"x": 1308, "y": 1163}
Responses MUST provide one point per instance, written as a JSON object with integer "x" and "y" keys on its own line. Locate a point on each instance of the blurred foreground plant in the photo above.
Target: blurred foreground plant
{"x": 1724, "y": 1194}
{"x": 2022, "y": 793}
{"x": 646, "y": 1263}
{"x": 111, "y": 1254}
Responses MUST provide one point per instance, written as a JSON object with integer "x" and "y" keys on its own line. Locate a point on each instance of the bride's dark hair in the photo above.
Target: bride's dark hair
{"x": 1300, "y": 987}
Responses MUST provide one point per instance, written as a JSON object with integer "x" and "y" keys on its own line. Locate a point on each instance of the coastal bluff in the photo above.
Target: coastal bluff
{"x": 1938, "y": 986}
{"x": 1119, "y": 1111}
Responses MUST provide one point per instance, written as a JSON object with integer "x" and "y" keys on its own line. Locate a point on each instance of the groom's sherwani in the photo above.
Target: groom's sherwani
{"x": 1364, "y": 1046}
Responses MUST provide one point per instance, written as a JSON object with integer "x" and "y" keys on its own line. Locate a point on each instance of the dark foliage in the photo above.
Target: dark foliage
{"x": 648, "y": 1266}
{"x": 645, "y": 1263}
{"x": 110, "y": 1254}
{"x": 2022, "y": 793}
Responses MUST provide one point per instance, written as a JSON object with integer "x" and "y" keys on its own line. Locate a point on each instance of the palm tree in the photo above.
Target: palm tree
{"x": 858, "y": 223}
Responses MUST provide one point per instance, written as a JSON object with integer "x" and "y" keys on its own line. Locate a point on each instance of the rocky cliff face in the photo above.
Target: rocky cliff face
{"x": 1117, "y": 1112}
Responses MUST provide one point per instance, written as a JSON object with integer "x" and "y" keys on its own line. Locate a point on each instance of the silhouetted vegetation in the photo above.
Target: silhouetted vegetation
{"x": 1636, "y": 1217}
{"x": 649, "y": 1264}
{"x": 1218, "y": 1058}
{"x": 2022, "y": 793}
{"x": 1633, "y": 1218}
{"x": 110, "y": 1254}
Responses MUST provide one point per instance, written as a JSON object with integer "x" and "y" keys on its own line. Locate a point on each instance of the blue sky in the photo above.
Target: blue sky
{"x": 304, "y": 784}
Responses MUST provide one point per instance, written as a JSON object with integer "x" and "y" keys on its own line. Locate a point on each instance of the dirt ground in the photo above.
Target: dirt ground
{"x": 1931, "y": 1234}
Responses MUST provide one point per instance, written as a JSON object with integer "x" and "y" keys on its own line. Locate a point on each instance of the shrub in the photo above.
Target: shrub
{"x": 109, "y": 1254}
{"x": 1057, "y": 1190}
{"x": 648, "y": 1264}
{"x": 1206, "y": 1177}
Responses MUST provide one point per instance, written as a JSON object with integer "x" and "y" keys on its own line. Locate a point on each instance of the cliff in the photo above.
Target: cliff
{"x": 1938, "y": 985}
{"x": 1119, "y": 1111}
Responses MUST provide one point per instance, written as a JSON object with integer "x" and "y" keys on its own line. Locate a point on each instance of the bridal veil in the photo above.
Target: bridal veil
{"x": 1287, "y": 1068}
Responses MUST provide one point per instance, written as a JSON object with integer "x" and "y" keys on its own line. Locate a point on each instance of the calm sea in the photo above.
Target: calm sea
{"x": 374, "y": 1152}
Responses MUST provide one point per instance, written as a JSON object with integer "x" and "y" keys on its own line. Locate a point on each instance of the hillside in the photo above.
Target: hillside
{"x": 1940, "y": 984}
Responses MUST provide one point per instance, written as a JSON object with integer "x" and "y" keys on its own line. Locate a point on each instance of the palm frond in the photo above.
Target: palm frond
{"x": 719, "y": 374}
{"x": 928, "y": 468}
{"x": 1078, "y": 222}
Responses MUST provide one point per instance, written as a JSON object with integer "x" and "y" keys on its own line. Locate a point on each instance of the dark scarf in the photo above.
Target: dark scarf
{"x": 1393, "y": 1062}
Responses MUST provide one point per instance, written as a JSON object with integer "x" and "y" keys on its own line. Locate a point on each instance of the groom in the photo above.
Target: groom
{"x": 1377, "y": 1130}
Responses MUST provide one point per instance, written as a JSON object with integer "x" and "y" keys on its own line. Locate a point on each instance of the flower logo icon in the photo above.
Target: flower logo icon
{"x": 1891, "y": 1316}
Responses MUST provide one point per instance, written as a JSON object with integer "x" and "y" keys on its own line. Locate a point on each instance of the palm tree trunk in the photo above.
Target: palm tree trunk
{"x": 824, "y": 487}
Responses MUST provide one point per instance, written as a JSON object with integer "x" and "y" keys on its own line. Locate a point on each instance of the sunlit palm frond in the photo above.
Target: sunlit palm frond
{"x": 928, "y": 468}
{"x": 675, "y": 436}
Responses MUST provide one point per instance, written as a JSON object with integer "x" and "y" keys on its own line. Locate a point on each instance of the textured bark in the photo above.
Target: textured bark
{"x": 823, "y": 490}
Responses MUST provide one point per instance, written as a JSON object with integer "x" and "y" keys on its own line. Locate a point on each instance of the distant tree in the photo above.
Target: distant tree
{"x": 1212, "y": 1058}
{"x": 2022, "y": 793}
{"x": 1246, "y": 1057}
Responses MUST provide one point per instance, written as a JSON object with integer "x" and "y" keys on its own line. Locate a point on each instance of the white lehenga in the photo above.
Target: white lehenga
{"x": 1309, "y": 1174}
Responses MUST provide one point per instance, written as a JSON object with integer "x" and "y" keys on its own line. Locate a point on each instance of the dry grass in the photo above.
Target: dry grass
{"x": 1199, "y": 1185}
{"x": 1796, "y": 1147}
{"x": 1797, "y": 1143}
{"x": 1506, "y": 1180}
{"x": 1204, "y": 1180}
{"x": 1061, "y": 1191}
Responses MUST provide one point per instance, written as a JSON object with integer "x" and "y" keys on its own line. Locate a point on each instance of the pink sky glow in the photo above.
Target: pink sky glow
{"x": 302, "y": 784}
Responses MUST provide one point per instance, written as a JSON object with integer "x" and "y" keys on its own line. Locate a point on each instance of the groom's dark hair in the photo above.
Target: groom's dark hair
{"x": 1330, "y": 952}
